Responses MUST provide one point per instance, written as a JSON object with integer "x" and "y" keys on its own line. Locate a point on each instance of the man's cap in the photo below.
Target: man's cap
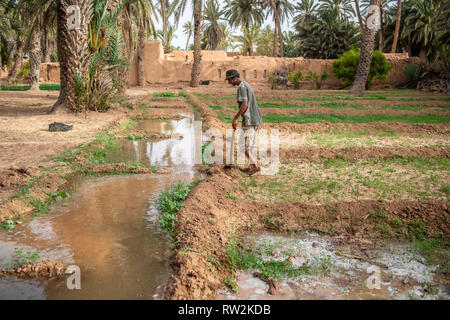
{"x": 231, "y": 73}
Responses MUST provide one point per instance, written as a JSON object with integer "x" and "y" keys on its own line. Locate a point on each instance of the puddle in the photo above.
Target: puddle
{"x": 109, "y": 228}
{"x": 176, "y": 153}
{"x": 336, "y": 274}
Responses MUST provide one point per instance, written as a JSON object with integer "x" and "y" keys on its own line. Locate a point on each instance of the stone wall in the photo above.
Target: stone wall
{"x": 176, "y": 67}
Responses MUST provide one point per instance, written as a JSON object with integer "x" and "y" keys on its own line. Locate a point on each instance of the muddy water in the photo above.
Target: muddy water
{"x": 335, "y": 274}
{"x": 109, "y": 228}
{"x": 176, "y": 153}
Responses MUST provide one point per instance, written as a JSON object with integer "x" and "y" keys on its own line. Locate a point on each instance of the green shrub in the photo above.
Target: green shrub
{"x": 273, "y": 82}
{"x": 169, "y": 202}
{"x": 54, "y": 57}
{"x": 295, "y": 79}
{"x": 25, "y": 70}
{"x": 412, "y": 72}
{"x": 316, "y": 79}
{"x": 345, "y": 67}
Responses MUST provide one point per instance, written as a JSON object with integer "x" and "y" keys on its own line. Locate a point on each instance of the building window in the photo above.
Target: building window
{"x": 219, "y": 73}
{"x": 243, "y": 74}
{"x": 254, "y": 74}
{"x": 265, "y": 74}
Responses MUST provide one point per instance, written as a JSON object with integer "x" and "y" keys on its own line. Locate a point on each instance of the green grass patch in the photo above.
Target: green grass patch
{"x": 163, "y": 95}
{"x": 44, "y": 86}
{"x": 335, "y": 118}
{"x": 170, "y": 202}
{"x": 245, "y": 259}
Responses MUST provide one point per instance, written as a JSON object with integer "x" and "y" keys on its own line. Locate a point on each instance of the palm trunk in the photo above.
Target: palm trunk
{"x": 365, "y": 58}
{"x": 276, "y": 34}
{"x": 358, "y": 13}
{"x": 423, "y": 56}
{"x": 73, "y": 51}
{"x": 195, "y": 73}
{"x": 164, "y": 21}
{"x": 35, "y": 56}
{"x": 61, "y": 47}
{"x": 275, "y": 43}
{"x": 140, "y": 54}
{"x": 380, "y": 39}
{"x": 18, "y": 59}
{"x": 187, "y": 42}
{"x": 280, "y": 32}
{"x": 45, "y": 46}
{"x": 397, "y": 26}
{"x": 280, "y": 36}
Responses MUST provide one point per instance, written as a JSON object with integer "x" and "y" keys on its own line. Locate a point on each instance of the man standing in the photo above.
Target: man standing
{"x": 251, "y": 118}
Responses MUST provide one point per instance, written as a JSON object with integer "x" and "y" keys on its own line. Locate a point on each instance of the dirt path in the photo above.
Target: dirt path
{"x": 26, "y": 145}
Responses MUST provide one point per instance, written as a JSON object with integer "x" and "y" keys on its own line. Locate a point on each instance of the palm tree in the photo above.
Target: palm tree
{"x": 227, "y": 41}
{"x": 325, "y": 36}
{"x": 280, "y": 10}
{"x": 188, "y": 29}
{"x": 265, "y": 41}
{"x": 248, "y": 39}
{"x": 19, "y": 29}
{"x": 343, "y": 8}
{"x": 35, "y": 54}
{"x": 384, "y": 8}
{"x": 244, "y": 13}
{"x": 167, "y": 38}
{"x": 179, "y": 7}
{"x": 5, "y": 32}
{"x": 35, "y": 11}
{"x": 305, "y": 9}
{"x": 142, "y": 11}
{"x": 397, "y": 26}
{"x": 166, "y": 10}
{"x": 213, "y": 29}
{"x": 86, "y": 57}
{"x": 365, "y": 58}
{"x": 424, "y": 25}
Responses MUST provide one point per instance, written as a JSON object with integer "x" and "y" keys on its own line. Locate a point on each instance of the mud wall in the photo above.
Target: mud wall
{"x": 49, "y": 72}
{"x": 176, "y": 67}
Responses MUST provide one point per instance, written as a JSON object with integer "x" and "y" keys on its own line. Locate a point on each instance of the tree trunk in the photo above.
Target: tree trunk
{"x": 140, "y": 54}
{"x": 280, "y": 32}
{"x": 45, "y": 46}
{"x": 365, "y": 58}
{"x": 195, "y": 73}
{"x": 61, "y": 46}
{"x": 164, "y": 22}
{"x": 276, "y": 34}
{"x": 187, "y": 42}
{"x": 73, "y": 52}
{"x": 280, "y": 37}
{"x": 18, "y": 59}
{"x": 397, "y": 26}
{"x": 35, "y": 56}
{"x": 423, "y": 56}
{"x": 380, "y": 39}
{"x": 275, "y": 43}
{"x": 358, "y": 14}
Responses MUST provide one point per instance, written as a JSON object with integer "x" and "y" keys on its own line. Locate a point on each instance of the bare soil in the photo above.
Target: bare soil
{"x": 210, "y": 220}
{"x": 294, "y": 111}
{"x": 27, "y": 148}
{"x": 362, "y": 153}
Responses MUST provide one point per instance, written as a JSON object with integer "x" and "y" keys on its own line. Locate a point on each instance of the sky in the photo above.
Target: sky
{"x": 180, "y": 40}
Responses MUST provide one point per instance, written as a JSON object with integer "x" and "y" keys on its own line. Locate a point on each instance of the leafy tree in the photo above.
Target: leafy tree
{"x": 213, "y": 30}
{"x": 345, "y": 67}
{"x": 326, "y": 36}
{"x": 264, "y": 43}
